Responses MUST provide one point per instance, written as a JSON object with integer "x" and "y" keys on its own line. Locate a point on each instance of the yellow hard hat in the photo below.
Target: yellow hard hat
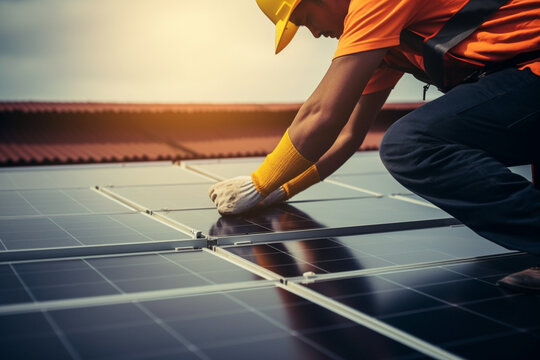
{"x": 279, "y": 11}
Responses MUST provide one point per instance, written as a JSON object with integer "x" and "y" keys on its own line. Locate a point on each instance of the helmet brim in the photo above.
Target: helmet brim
{"x": 285, "y": 30}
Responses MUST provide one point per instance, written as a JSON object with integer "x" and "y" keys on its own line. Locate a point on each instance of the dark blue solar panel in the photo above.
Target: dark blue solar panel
{"x": 83, "y": 230}
{"x": 256, "y": 320}
{"x": 94, "y": 276}
{"x": 232, "y": 325}
{"x": 52, "y": 202}
{"x": 469, "y": 311}
{"x": 70, "y": 176}
{"x": 347, "y": 253}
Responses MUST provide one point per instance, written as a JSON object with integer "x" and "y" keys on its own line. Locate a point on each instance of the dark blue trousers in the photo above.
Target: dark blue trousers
{"x": 454, "y": 152}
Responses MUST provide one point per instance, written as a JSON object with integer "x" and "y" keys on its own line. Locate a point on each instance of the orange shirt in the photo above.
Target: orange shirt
{"x": 376, "y": 24}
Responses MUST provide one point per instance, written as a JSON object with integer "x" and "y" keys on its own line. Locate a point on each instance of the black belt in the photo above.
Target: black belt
{"x": 456, "y": 29}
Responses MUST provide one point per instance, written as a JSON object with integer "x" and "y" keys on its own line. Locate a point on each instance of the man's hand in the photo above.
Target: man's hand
{"x": 277, "y": 196}
{"x": 235, "y": 196}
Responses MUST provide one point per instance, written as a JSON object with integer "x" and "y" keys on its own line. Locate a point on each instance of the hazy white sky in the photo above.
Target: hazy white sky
{"x": 212, "y": 51}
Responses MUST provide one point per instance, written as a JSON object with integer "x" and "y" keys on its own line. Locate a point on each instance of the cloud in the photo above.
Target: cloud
{"x": 162, "y": 50}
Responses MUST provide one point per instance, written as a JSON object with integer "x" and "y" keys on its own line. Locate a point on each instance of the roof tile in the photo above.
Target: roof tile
{"x": 57, "y": 133}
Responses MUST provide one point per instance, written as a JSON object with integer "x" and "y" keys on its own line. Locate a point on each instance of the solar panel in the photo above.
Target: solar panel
{"x": 197, "y": 326}
{"x": 309, "y": 215}
{"x": 415, "y": 300}
{"x": 83, "y": 176}
{"x": 327, "y": 191}
{"x": 359, "y": 163}
{"x": 82, "y": 230}
{"x": 195, "y": 196}
{"x": 47, "y": 280}
{"x": 383, "y": 184}
{"x": 84, "y": 276}
{"x": 359, "y": 252}
{"x": 58, "y": 201}
{"x": 367, "y": 162}
{"x": 225, "y": 168}
{"x": 172, "y": 197}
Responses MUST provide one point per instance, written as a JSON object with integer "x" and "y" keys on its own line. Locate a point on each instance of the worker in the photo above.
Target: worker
{"x": 453, "y": 151}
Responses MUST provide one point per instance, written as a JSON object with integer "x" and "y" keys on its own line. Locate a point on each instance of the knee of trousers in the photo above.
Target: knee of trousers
{"x": 402, "y": 145}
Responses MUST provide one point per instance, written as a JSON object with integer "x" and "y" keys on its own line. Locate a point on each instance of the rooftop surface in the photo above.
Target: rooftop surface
{"x": 44, "y": 133}
{"x": 132, "y": 261}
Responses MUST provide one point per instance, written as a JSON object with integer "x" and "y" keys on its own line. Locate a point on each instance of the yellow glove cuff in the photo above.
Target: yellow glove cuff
{"x": 302, "y": 181}
{"x": 280, "y": 166}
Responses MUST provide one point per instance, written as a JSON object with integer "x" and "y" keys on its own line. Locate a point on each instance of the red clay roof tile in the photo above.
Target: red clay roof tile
{"x": 57, "y": 133}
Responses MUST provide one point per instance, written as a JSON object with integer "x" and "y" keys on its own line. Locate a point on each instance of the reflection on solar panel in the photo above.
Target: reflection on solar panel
{"x": 475, "y": 312}
{"x": 133, "y": 262}
{"x": 324, "y": 214}
{"x": 359, "y": 252}
{"x": 231, "y": 324}
{"x": 108, "y": 275}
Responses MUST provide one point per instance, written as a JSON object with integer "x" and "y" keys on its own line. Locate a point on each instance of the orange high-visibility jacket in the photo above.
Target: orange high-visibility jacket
{"x": 376, "y": 24}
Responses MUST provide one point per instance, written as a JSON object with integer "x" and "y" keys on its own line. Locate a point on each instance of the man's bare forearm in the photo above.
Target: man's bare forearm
{"x": 323, "y": 116}
{"x": 353, "y": 134}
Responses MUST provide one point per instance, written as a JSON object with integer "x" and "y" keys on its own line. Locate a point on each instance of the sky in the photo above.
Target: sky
{"x": 161, "y": 51}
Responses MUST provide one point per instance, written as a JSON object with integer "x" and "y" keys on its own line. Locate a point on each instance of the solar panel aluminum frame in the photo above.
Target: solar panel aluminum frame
{"x": 91, "y": 250}
{"x": 332, "y": 232}
{"x": 394, "y": 268}
{"x": 412, "y": 200}
{"x": 132, "y": 297}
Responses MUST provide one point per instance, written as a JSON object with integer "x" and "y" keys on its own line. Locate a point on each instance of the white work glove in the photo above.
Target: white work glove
{"x": 235, "y": 196}
{"x": 275, "y": 197}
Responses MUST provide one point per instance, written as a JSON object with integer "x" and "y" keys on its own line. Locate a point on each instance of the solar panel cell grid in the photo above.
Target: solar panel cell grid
{"x": 64, "y": 177}
{"x": 199, "y": 326}
{"x": 51, "y": 202}
{"x": 415, "y": 300}
{"x": 83, "y": 230}
{"x": 95, "y": 276}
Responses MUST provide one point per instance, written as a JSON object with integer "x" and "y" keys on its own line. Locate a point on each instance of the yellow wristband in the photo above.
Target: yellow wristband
{"x": 302, "y": 181}
{"x": 280, "y": 166}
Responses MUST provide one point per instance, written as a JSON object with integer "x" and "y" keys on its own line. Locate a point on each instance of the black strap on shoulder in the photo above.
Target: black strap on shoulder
{"x": 461, "y": 25}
